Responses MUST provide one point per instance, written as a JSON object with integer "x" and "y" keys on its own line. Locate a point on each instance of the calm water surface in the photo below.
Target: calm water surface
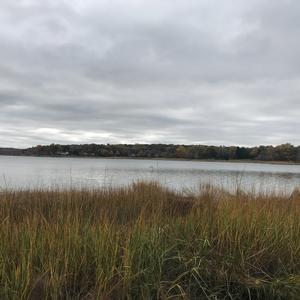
{"x": 45, "y": 172}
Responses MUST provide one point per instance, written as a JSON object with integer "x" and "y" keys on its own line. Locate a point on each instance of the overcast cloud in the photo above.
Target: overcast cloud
{"x": 159, "y": 71}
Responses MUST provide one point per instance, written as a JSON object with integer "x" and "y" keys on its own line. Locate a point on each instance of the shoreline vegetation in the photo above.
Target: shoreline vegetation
{"x": 145, "y": 241}
{"x": 285, "y": 153}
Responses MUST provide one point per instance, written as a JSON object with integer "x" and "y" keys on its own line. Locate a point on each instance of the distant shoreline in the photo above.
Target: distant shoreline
{"x": 286, "y": 154}
{"x": 165, "y": 158}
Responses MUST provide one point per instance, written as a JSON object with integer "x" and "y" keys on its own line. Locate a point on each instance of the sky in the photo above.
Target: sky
{"x": 158, "y": 71}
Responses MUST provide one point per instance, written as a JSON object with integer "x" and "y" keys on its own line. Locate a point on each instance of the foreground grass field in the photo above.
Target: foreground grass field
{"x": 145, "y": 242}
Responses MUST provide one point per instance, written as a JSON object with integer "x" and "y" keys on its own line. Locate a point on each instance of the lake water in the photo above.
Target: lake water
{"x": 45, "y": 172}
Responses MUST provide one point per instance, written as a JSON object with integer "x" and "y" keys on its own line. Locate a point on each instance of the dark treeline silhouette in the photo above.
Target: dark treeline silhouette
{"x": 285, "y": 152}
{"x": 11, "y": 151}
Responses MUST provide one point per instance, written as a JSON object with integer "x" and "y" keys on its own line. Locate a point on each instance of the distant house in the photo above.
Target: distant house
{"x": 63, "y": 153}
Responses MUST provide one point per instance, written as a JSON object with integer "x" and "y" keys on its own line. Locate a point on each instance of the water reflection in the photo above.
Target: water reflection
{"x": 31, "y": 172}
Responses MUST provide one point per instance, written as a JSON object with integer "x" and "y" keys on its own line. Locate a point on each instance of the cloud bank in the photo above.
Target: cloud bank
{"x": 136, "y": 71}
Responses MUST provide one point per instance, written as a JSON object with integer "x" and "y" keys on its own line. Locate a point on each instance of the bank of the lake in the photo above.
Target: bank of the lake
{"x": 147, "y": 242}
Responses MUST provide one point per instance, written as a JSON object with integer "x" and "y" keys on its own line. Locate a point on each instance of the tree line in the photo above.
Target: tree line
{"x": 284, "y": 152}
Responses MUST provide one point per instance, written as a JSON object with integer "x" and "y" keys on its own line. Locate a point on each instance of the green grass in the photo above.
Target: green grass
{"x": 146, "y": 242}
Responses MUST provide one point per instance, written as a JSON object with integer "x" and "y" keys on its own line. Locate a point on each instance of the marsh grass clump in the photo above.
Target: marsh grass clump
{"x": 147, "y": 242}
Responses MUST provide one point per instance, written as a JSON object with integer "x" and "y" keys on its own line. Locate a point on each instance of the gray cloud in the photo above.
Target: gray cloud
{"x": 213, "y": 72}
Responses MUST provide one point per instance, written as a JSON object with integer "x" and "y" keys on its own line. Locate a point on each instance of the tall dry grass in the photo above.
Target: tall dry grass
{"x": 146, "y": 242}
